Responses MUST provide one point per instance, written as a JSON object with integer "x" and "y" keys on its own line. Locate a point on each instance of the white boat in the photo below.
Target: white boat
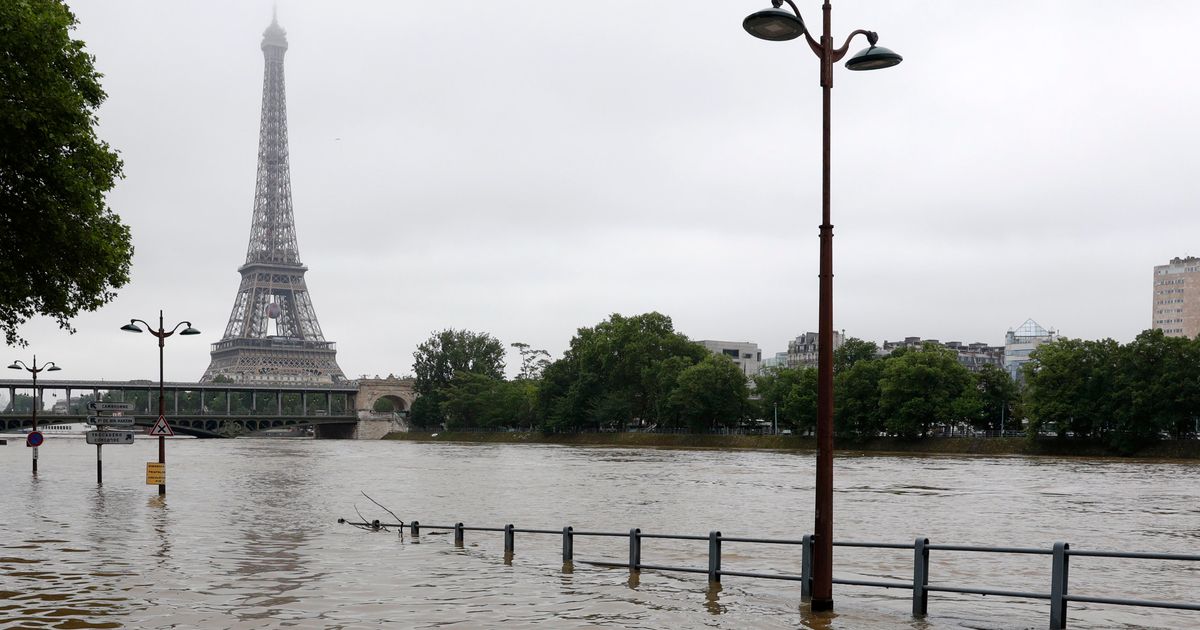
{"x": 75, "y": 428}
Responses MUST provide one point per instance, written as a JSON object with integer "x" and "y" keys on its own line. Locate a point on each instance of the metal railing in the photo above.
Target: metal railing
{"x": 920, "y": 586}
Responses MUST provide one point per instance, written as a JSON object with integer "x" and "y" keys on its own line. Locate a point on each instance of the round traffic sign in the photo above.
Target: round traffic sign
{"x": 35, "y": 439}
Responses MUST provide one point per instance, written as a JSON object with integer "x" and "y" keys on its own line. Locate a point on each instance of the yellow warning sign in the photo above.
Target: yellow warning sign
{"x": 156, "y": 473}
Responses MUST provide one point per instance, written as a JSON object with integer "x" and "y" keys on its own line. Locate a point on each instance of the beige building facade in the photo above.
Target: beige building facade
{"x": 1177, "y": 297}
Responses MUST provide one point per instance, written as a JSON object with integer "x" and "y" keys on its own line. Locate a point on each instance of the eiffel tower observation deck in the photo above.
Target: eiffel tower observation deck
{"x": 273, "y": 335}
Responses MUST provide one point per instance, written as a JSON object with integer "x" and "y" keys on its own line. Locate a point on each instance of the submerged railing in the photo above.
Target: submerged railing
{"x": 920, "y": 586}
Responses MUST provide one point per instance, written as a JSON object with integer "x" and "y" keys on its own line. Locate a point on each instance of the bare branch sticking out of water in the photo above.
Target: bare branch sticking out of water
{"x": 398, "y": 519}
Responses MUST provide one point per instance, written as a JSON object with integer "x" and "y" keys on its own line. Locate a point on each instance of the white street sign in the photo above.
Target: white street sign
{"x": 110, "y": 437}
{"x": 111, "y": 421}
{"x": 109, "y": 406}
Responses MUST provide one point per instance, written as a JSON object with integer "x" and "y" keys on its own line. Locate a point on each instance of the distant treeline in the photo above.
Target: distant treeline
{"x": 638, "y": 373}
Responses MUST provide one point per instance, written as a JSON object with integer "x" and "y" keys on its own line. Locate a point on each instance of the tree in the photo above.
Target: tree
{"x": 856, "y": 401}
{"x": 792, "y": 393}
{"x": 853, "y": 351}
{"x": 1071, "y": 387}
{"x": 996, "y": 393}
{"x": 444, "y": 357}
{"x": 449, "y": 352}
{"x": 21, "y": 403}
{"x": 923, "y": 388}
{"x": 533, "y": 361}
{"x": 64, "y": 250}
{"x": 617, "y": 372}
{"x": 1158, "y": 390}
{"x": 711, "y": 394}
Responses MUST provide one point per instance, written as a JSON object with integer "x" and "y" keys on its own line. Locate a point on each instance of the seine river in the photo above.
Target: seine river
{"x": 248, "y": 536}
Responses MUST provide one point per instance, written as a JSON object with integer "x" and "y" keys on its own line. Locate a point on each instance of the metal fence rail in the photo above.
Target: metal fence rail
{"x": 1061, "y": 554}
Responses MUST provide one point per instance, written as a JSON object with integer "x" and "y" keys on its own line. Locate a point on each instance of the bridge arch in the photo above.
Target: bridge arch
{"x": 397, "y": 391}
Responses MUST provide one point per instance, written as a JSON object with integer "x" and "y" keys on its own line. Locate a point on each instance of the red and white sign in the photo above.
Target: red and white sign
{"x": 162, "y": 428}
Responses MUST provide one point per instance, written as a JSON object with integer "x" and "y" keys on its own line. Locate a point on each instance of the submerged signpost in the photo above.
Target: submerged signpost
{"x": 103, "y": 435}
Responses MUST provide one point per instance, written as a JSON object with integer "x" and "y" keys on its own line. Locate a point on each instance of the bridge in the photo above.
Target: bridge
{"x": 343, "y": 410}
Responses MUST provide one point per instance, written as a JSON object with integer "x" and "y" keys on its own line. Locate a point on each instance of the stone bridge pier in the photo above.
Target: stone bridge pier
{"x": 374, "y": 425}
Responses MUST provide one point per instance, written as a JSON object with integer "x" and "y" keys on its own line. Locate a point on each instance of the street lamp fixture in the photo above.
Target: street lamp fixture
{"x": 161, "y": 333}
{"x": 34, "y": 370}
{"x": 777, "y": 24}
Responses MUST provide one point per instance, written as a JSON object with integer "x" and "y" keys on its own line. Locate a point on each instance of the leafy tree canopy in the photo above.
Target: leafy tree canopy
{"x": 923, "y": 388}
{"x": 710, "y": 394}
{"x": 852, "y": 351}
{"x": 450, "y": 351}
{"x": 790, "y": 392}
{"x": 64, "y": 249}
{"x": 622, "y": 369}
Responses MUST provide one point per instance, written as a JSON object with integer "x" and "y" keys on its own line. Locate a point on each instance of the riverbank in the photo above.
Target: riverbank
{"x": 1186, "y": 449}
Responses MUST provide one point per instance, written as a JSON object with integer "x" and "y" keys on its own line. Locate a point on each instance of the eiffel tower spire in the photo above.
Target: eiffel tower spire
{"x": 273, "y": 293}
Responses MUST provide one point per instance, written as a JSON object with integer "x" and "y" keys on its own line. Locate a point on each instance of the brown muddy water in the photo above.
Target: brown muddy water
{"x": 247, "y": 536}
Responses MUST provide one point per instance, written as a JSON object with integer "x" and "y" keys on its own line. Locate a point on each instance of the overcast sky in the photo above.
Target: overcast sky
{"x": 526, "y": 168}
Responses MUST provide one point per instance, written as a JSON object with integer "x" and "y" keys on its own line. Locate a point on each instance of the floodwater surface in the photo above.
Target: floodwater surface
{"x": 247, "y": 536}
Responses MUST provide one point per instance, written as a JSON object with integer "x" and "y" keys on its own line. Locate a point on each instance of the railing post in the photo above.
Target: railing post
{"x": 568, "y": 544}
{"x": 1058, "y": 586}
{"x": 806, "y": 548}
{"x": 714, "y": 557}
{"x": 635, "y": 550}
{"x": 415, "y": 529}
{"x": 458, "y": 534}
{"x": 920, "y": 598}
{"x": 508, "y": 539}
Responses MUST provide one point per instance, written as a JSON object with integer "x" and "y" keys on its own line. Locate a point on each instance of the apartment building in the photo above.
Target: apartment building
{"x": 1177, "y": 297}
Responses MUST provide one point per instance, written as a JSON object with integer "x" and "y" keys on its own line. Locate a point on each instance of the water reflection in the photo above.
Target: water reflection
{"x": 712, "y": 599}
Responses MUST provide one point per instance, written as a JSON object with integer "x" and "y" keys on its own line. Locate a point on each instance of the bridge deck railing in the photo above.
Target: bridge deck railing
{"x": 1058, "y": 595}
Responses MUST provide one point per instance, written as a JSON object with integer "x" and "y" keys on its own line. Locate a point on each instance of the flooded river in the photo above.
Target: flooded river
{"x": 248, "y": 536}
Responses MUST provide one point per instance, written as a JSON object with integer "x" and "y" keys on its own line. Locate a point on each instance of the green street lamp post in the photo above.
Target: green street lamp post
{"x": 162, "y": 333}
{"x": 37, "y": 400}
{"x": 777, "y": 24}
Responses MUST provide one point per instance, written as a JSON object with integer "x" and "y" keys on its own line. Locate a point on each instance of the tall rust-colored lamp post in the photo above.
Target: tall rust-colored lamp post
{"x": 162, "y": 334}
{"x": 37, "y": 400}
{"x": 778, "y": 24}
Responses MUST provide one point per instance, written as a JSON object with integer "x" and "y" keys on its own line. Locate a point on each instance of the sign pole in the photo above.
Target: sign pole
{"x": 162, "y": 459}
{"x": 99, "y": 466}
{"x": 162, "y": 408}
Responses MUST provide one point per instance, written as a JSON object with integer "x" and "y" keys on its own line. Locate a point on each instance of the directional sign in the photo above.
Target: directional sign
{"x": 109, "y": 406}
{"x": 111, "y": 421}
{"x": 156, "y": 474}
{"x": 110, "y": 437}
{"x": 34, "y": 439}
{"x": 161, "y": 428}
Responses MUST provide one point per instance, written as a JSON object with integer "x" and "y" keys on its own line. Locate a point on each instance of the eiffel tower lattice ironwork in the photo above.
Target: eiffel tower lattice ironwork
{"x": 273, "y": 292}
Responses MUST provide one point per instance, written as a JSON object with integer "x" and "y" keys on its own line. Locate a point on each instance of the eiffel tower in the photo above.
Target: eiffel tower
{"x": 273, "y": 335}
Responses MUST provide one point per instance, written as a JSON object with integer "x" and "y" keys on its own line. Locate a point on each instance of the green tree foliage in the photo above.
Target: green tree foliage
{"x": 621, "y": 370}
{"x": 479, "y": 401}
{"x": 997, "y": 391}
{"x": 1160, "y": 382}
{"x": 426, "y": 411}
{"x": 439, "y": 360}
{"x": 792, "y": 392}
{"x": 711, "y": 394}
{"x": 851, "y": 352}
{"x": 856, "y": 396}
{"x": 923, "y": 388}
{"x": 533, "y": 361}
{"x": 21, "y": 403}
{"x": 449, "y": 352}
{"x": 1126, "y": 395}
{"x": 64, "y": 249}
{"x": 1070, "y": 387}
